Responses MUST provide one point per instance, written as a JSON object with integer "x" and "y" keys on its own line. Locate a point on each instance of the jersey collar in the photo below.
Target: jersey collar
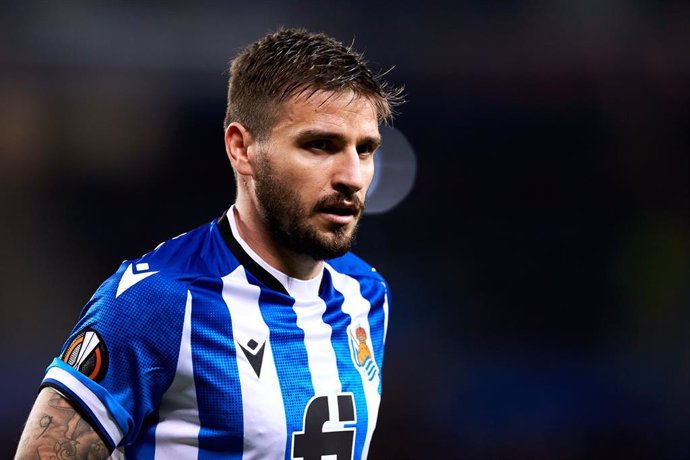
{"x": 273, "y": 278}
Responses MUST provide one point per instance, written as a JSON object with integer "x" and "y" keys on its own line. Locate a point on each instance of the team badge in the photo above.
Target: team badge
{"x": 88, "y": 354}
{"x": 361, "y": 353}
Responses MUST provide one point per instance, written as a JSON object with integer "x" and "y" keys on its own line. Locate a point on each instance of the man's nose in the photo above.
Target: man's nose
{"x": 349, "y": 176}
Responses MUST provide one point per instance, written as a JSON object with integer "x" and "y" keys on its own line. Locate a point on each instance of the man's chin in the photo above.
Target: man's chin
{"x": 321, "y": 240}
{"x": 327, "y": 253}
{"x": 327, "y": 245}
{"x": 337, "y": 244}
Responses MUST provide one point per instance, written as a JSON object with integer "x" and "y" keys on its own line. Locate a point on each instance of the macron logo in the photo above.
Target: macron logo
{"x": 255, "y": 356}
{"x": 129, "y": 278}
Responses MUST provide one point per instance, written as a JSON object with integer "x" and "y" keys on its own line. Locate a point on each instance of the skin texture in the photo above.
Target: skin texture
{"x": 54, "y": 430}
{"x": 301, "y": 192}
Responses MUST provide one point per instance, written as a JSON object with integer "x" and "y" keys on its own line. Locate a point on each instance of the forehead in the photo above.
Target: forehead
{"x": 340, "y": 112}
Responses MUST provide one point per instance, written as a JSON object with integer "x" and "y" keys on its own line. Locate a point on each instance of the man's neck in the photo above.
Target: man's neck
{"x": 253, "y": 231}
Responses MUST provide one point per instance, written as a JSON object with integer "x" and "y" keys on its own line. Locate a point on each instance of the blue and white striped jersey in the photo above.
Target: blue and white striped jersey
{"x": 199, "y": 349}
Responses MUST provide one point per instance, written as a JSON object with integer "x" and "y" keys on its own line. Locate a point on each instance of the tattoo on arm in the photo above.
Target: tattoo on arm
{"x": 55, "y": 430}
{"x": 44, "y": 423}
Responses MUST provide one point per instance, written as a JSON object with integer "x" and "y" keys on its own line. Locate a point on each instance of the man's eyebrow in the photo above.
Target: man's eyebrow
{"x": 319, "y": 134}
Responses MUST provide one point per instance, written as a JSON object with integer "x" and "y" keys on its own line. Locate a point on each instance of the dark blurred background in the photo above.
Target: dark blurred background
{"x": 539, "y": 266}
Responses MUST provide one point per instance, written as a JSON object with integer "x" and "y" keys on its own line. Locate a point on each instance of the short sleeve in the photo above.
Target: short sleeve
{"x": 121, "y": 356}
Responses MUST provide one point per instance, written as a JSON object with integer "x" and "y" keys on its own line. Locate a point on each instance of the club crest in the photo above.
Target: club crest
{"x": 361, "y": 352}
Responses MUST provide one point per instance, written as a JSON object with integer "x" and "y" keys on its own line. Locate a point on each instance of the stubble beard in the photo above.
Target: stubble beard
{"x": 287, "y": 220}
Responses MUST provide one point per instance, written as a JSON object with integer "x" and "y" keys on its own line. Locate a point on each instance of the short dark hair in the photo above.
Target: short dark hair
{"x": 288, "y": 62}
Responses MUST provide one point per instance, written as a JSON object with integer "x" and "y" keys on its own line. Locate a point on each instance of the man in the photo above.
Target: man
{"x": 257, "y": 335}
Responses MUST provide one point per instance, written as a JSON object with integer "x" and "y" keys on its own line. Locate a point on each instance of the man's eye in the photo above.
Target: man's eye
{"x": 366, "y": 149}
{"x": 319, "y": 144}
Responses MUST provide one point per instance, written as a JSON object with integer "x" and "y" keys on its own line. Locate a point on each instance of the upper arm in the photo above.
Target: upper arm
{"x": 114, "y": 367}
{"x": 55, "y": 429}
{"x": 121, "y": 356}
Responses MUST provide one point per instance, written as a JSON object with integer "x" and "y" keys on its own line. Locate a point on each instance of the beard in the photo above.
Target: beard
{"x": 287, "y": 219}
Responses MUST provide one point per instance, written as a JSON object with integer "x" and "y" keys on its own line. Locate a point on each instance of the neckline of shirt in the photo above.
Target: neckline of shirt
{"x": 297, "y": 288}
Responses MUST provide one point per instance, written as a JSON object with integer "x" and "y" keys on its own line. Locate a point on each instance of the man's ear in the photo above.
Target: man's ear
{"x": 239, "y": 145}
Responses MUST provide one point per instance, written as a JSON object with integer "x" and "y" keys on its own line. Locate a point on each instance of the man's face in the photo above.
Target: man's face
{"x": 313, "y": 172}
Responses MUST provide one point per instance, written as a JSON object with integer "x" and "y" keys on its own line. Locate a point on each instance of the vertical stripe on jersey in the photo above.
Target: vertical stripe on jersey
{"x": 378, "y": 319}
{"x": 385, "y": 317}
{"x": 265, "y": 428}
{"x": 178, "y": 427}
{"x": 290, "y": 357}
{"x": 349, "y": 376}
{"x": 357, "y": 307}
{"x": 216, "y": 376}
{"x": 317, "y": 341}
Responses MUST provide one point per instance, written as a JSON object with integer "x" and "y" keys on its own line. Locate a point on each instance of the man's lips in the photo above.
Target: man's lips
{"x": 340, "y": 210}
{"x": 341, "y": 213}
{"x": 340, "y": 219}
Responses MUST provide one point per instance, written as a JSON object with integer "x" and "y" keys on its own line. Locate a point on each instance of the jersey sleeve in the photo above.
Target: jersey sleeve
{"x": 122, "y": 354}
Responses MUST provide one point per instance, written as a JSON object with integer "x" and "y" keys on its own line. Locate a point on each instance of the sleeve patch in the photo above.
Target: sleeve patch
{"x": 88, "y": 354}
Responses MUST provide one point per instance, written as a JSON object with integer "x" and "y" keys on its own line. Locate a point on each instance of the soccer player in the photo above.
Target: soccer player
{"x": 257, "y": 335}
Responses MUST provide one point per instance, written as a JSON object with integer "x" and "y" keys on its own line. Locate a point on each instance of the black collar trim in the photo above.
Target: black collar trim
{"x": 245, "y": 259}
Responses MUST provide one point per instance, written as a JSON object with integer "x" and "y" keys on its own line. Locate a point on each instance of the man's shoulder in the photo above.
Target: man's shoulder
{"x": 169, "y": 266}
{"x": 183, "y": 252}
{"x": 189, "y": 253}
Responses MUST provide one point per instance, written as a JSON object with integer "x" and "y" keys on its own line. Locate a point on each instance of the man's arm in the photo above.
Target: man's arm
{"x": 56, "y": 430}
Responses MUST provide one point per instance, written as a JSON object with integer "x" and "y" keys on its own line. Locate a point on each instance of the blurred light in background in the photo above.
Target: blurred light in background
{"x": 396, "y": 168}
